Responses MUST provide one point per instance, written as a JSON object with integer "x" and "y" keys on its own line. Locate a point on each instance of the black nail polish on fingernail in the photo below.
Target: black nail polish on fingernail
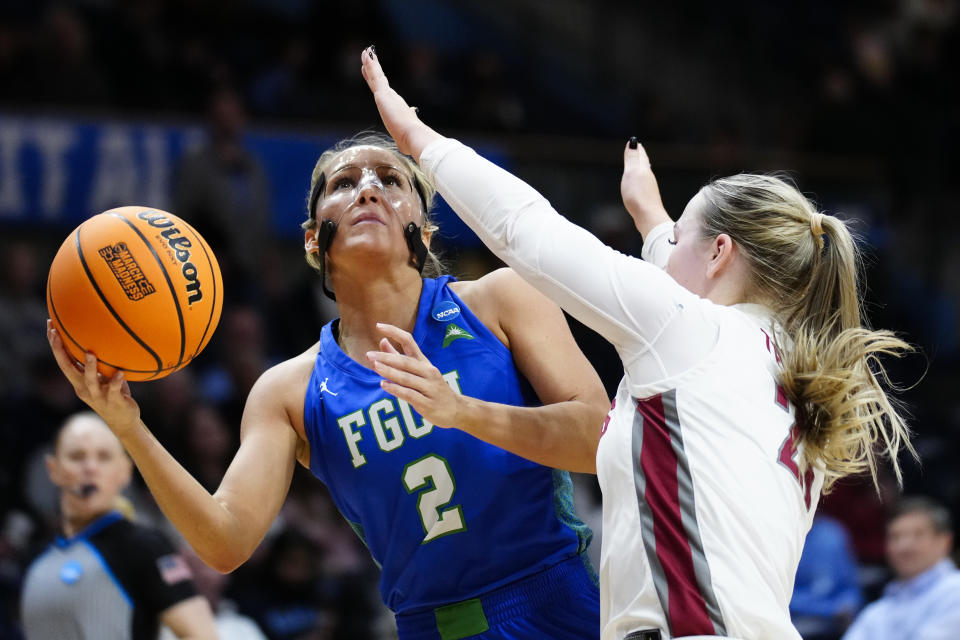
{"x": 633, "y": 142}
{"x": 373, "y": 51}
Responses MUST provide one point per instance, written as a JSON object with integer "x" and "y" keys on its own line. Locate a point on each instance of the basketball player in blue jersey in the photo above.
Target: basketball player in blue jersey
{"x": 473, "y": 541}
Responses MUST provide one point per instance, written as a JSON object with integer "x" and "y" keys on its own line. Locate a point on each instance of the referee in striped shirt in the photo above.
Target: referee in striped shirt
{"x": 104, "y": 577}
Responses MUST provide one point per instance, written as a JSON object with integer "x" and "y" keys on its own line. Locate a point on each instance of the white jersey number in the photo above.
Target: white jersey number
{"x": 433, "y": 471}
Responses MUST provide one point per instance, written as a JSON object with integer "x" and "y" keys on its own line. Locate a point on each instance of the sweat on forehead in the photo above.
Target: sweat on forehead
{"x": 363, "y": 155}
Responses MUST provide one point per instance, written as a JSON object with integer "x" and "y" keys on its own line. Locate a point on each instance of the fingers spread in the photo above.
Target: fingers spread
{"x": 420, "y": 368}
{"x": 410, "y": 396}
{"x": 404, "y": 338}
{"x": 387, "y": 347}
{"x": 66, "y": 363}
{"x": 115, "y": 389}
{"x": 90, "y": 375}
{"x": 399, "y": 376}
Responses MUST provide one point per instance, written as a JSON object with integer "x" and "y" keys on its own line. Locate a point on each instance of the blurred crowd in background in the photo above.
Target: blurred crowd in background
{"x": 859, "y": 100}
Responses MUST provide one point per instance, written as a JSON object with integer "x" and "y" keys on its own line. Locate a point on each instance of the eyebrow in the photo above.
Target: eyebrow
{"x": 375, "y": 167}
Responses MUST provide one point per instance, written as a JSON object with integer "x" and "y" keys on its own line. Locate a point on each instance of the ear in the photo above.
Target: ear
{"x": 946, "y": 544}
{"x": 53, "y": 469}
{"x": 310, "y": 243}
{"x": 723, "y": 253}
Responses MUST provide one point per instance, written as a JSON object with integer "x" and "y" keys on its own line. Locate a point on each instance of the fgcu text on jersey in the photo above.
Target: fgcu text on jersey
{"x": 447, "y": 517}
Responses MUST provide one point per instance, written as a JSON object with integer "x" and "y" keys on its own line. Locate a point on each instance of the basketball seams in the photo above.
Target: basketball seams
{"x": 109, "y": 307}
{"x": 62, "y": 329}
{"x": 72, "y": 276}
{"x": 213, "y": 271}
{"x": 166, "y": 276}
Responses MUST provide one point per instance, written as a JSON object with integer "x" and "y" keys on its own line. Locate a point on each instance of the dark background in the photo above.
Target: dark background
{"x": 857, "y": 100}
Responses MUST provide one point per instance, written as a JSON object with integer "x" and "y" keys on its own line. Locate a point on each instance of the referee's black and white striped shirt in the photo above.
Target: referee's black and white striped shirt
{"x": 111, "y": 581}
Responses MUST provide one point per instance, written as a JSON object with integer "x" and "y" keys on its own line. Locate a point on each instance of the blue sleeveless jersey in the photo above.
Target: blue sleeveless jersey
{"x": 445, "y": 516}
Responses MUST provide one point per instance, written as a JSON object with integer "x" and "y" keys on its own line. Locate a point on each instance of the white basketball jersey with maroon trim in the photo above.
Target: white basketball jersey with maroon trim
{"x": 705, "y": 510}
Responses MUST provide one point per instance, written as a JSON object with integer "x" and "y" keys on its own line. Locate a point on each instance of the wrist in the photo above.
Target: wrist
{"x": 463, "y": 413}
{"x": 419, "y": 138}
{"x": 127, "y": 430}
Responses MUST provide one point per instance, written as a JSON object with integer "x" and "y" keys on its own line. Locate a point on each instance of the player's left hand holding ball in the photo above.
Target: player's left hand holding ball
{"x": 108, "y": 397}
{"x": 411, "y": 377}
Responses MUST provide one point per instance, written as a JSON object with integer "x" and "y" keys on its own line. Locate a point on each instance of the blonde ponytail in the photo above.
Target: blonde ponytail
{"x": 805, "y": 266}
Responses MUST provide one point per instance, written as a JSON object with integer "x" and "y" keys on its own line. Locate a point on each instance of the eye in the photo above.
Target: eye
{"x": 342, "y": 182}
{"x": 392, "y": 180}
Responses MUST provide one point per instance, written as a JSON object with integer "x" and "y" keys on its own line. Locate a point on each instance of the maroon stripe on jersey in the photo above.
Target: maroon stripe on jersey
{"x": 662, "y": 460}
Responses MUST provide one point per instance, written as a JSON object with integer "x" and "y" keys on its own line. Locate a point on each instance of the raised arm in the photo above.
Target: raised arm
{"x": 223, "y": 528}
{"x": 654, "y": 323}
{"x": 639, "y": 190}
{"x": 564, "y": 432}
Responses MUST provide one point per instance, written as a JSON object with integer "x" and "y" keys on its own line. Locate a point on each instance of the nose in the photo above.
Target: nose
{"x": 370, "y": 188}
{"x": 368, "y": 193}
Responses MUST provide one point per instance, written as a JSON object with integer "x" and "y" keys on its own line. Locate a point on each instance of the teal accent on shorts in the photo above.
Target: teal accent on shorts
{"x": 461, "y": 620}
{"x": 563, "y": 505}
{"x": 358, "y": 529}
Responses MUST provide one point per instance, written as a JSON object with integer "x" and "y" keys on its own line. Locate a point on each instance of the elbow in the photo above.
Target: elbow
{"x": 224, "y": 566}
{"x": 224, "y": 560}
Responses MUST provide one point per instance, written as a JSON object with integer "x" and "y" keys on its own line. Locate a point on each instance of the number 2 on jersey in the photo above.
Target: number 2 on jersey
{"x": 433, "y": 471}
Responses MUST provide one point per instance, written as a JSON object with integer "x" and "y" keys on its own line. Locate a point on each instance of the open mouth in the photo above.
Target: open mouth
{"x": 84, "y": 490}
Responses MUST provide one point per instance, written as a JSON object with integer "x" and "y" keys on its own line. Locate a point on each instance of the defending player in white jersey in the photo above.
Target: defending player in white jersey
{"x": 749, "y": 383}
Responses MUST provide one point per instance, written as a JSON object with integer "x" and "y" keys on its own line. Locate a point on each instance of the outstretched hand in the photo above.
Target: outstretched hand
{"x": 399, "y": 118}
{"x": 411, "y": 377}
{"x": 639, "y": 189}
{"x": 108, "y": 397}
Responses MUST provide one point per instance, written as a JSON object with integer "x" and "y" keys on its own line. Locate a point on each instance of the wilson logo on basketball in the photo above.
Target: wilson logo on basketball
{"x": 126, "y": 270}
{"x": 181, "y": 250}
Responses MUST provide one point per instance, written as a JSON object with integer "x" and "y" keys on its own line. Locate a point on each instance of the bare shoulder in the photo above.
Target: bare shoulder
{"x": 281, "y": 389}
{"x": 288, "y": 376}
{"x": 495, "y": 288}
{"x": 499, "y": 296}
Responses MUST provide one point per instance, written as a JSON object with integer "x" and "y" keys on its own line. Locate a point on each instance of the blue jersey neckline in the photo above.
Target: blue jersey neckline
{"x": 339, "y": 359}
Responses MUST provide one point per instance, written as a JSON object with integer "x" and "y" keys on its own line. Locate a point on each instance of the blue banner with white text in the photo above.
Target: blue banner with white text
{"x": 57, "y": 172}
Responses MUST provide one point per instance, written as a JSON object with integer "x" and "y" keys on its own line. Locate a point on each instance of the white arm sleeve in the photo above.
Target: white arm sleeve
{"x": 659, "y": 328}
{"x": 656, "y": 250}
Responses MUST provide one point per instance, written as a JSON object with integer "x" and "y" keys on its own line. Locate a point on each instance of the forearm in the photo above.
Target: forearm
{"x": 563, "y": 435}
{"x": 203, "y": 521}
{"x": 597, "y": 285}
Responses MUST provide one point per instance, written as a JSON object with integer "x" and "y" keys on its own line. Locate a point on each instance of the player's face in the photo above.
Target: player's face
{"x": 689, "y": 259}
{"x": 371, "y": 197}
{"x": 914, "y": 545}
{"x": 90, "y": 467}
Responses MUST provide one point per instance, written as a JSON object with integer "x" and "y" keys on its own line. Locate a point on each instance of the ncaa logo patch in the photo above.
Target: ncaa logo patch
{"x": 445, "y": 311}
{"x": 70, "y": 572}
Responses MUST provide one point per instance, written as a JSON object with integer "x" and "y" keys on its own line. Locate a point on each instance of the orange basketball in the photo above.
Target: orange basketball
{"x": 139, "y": 288}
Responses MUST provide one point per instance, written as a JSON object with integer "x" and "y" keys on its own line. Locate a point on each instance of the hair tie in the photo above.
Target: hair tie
{"x": 816, "y": 227}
